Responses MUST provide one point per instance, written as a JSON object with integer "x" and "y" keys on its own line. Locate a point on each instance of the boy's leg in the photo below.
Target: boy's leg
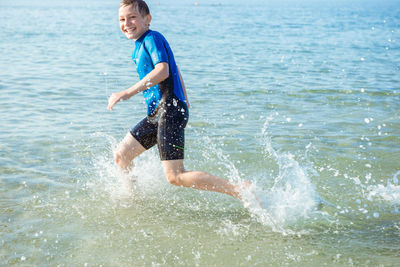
{"x": 176, "y": 174}
{"x": 126, "y": 151}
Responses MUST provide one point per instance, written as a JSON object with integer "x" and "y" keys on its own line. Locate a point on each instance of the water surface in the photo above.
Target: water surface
{"x": 303, "y": 99}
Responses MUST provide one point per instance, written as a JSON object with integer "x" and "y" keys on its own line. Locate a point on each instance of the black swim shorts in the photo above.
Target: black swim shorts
{"x": 165, "y": 128}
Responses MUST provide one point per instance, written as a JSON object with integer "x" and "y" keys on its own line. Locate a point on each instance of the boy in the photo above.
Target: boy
{"x": 167, "y": 106}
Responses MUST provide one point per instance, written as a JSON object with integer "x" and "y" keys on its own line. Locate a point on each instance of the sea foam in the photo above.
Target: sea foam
{"x": 291, "y": 198}
{"x": 389, "y": 192}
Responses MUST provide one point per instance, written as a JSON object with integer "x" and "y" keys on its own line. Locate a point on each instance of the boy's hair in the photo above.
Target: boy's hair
{"x": 140, "y": 4}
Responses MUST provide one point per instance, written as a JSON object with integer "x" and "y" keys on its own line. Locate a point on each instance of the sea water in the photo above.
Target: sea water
{"x": 302, "y": 98}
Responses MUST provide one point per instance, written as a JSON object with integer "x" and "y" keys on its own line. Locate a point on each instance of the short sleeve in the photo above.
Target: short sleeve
{"x": 155, "y": 45}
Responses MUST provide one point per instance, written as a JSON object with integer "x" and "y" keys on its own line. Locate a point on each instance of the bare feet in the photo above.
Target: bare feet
{"x": 247, "y": 194}
{"x": 127, "y": 180}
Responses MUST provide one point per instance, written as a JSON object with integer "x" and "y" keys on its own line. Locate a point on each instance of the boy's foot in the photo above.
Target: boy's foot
{"x": 248, "y": 195}
{"x": 127, "y": 181}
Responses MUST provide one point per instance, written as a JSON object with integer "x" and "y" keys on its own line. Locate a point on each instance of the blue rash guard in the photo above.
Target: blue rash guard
{"x": 150, "y": 49}
{"x": 167, "y": 111}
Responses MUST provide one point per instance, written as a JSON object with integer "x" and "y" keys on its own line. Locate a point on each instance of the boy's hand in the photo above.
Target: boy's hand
{"x": 115, "y": 98}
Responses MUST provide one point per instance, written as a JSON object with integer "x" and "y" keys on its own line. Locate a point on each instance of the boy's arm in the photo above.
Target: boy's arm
{"x": 183, "y": 87}
{"x": 157, "y": 75}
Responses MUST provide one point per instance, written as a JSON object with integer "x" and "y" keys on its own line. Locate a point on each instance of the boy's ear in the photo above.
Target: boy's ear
{"x": 148, "y": 19}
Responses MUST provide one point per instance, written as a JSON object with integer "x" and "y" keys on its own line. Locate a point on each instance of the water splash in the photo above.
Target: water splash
{"x": 292, "y": 196}
{"x": 389, "y": 192}
{"x": 124, "y": 187}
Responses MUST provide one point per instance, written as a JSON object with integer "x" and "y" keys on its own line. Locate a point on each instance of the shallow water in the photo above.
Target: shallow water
{"x": 301, "y": 99}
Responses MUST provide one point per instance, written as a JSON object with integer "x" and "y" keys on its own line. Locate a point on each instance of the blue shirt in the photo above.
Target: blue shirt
{"x": 150, "y": 49}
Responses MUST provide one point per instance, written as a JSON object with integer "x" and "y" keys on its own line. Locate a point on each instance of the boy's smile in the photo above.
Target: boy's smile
{"x": 132, "y": 23}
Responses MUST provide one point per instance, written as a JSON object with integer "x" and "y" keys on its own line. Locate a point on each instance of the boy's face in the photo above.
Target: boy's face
{"x": 132, "y": 23}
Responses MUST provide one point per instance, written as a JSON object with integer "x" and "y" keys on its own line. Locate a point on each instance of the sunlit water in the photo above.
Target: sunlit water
{"x": 301, "y": 99}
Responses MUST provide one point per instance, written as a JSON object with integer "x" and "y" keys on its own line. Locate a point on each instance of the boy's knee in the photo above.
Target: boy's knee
{"x": 173, "y": 178}
{"x": 120, "y": 160}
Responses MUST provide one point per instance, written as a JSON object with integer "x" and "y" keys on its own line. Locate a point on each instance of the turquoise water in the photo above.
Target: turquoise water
{"x": 303, "y": 99}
